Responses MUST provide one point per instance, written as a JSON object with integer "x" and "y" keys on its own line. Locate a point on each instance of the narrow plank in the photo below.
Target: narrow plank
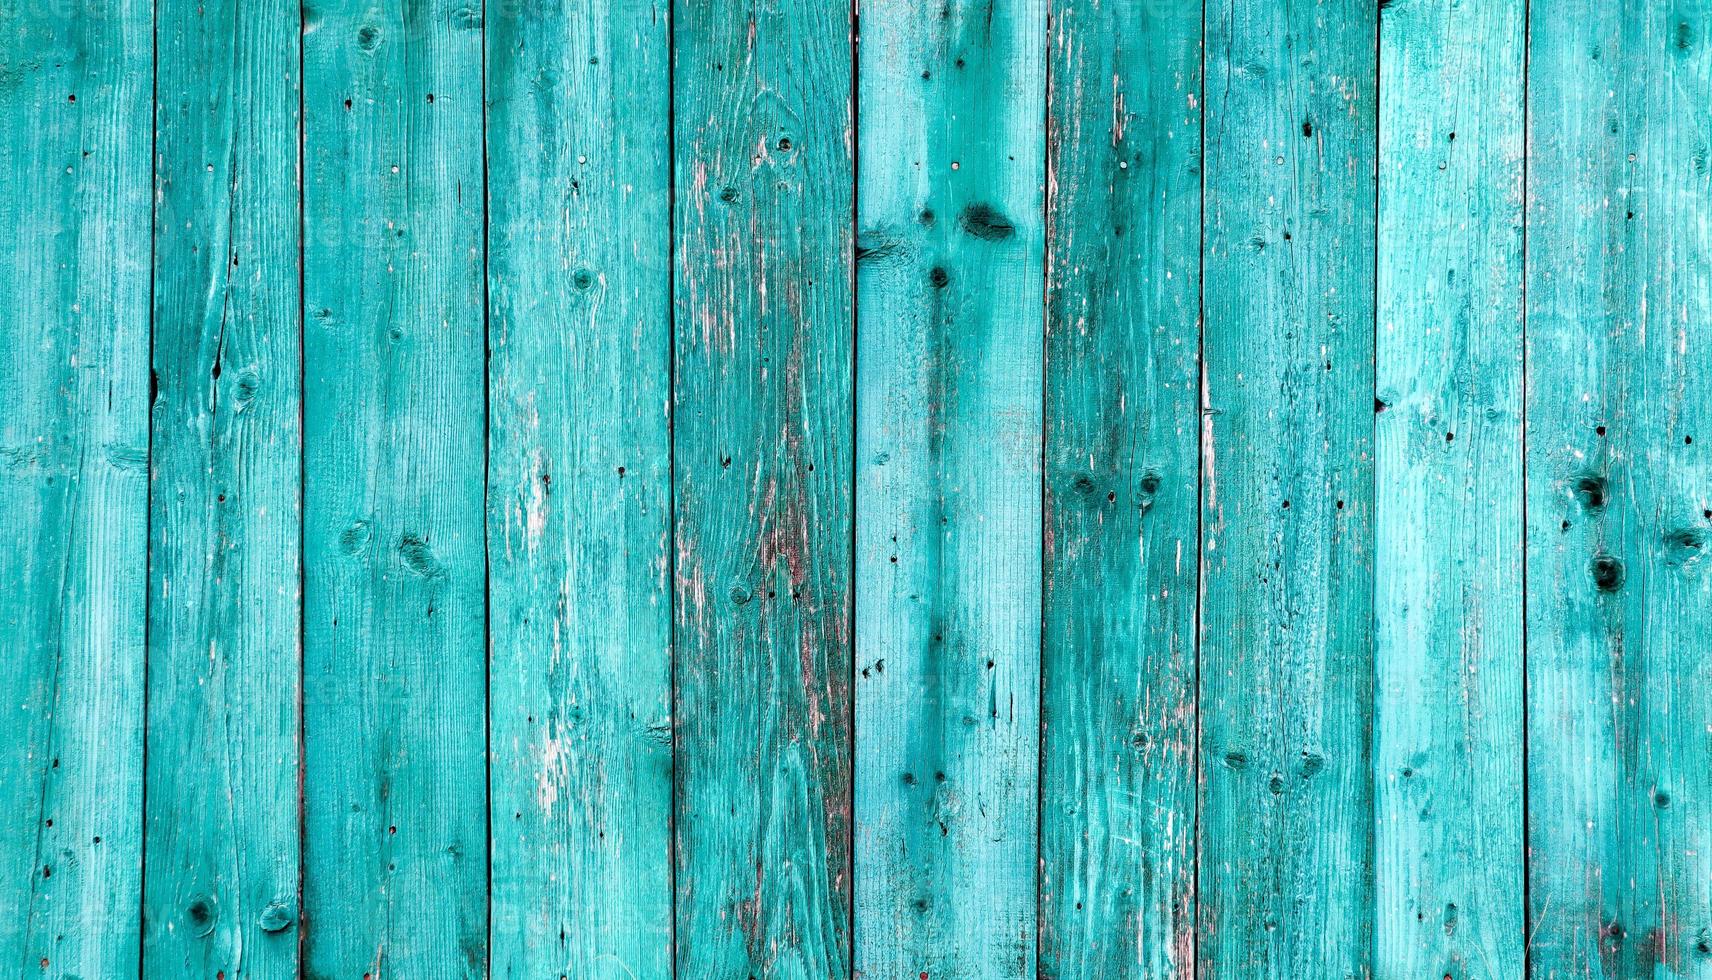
{"x": 395, "y": 823}
{"x": 1117, "y": 871}
{"x": 579, "y": 515}
{"x": 221, "y": 892}
{"x": 1286, "y": 825}
{"x": 75, "y": 82}
{"x": 762, "y": 457}
{"x": 1619, "y": 271}
{"x": 1448, "y": 728}
{"x": 949, "y": 389}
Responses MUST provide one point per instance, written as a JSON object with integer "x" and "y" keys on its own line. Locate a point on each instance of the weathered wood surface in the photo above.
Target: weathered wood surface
{"x": 993, "y": 488}
{"x": 579, "y": 466}
{"x": 948, "y": 409}
{"x": 222, "y": 877}
{"x": 1117, "y": 816}
{"x": 1286, "y": 654}
{"x": 1447, "y": 731}
{"x": 395, "y": 780}
{"x": 762, "y": 409}
{"x": 1619, "y": 293}
{"x": 75, "y": 134}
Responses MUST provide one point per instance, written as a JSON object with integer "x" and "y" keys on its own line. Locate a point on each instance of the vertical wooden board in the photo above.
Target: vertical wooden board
{"x": 74, "y": 380}
{"x": 1122, "y": 439}
{"x": 224, "y": 638}
{"x": 762, "y": 456}
{"x": 1447, "y": 749}
{"x": 1286, "y": 670}
{"x": 395, "y": 823}
{"x": 580, "y": 460}
{"x": 1619, "y": 270}
{"x": 951, "y": 157}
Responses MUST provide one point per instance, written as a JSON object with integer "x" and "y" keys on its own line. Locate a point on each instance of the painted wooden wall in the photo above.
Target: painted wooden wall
{"x": 969, "y": 489}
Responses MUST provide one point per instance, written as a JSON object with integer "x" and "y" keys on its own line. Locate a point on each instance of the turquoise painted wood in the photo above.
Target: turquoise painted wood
{"x": 992, "y": 488}
{"x": 1447, "y": 732}
{"x": 1117, "y": 814}
{"x": 763, "y": 426}
{"x": 395, "y": 776}
{"x": 948, "y": 408}
{"x": 579, "y": 464}
{"x": 1619, "y": 258}
{"x": 1286, "y": 654}
{"x": 222, "y": 875}
{"x": 74, "y": 389}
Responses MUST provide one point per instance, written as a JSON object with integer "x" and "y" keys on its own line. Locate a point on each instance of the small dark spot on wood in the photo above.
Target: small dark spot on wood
{"x": 368, "y": 37}
{"x": 1590, "y": 492}
{"x": 926, "y": 216}
{"x": 1308, "y": 127}
{"x": 1684, "y": 545}
{"x": 1661, "y": 799}
{"x": 1607, "y": 573}
{"x": 909, "y": 779}
{"x": 277, "y": 917}
{"x": 1379, "y": 406}
{"x": 728, "y": 195}
{"x": 582, "y": 279}
{"x": 1275, "y": 784}
{"x": 938, "y": 278}
{"x": 419, "y": 557}
{"x": 984, "y": 222}
{"x": 784, "y": 143}
{"x": 1236, "y": 761}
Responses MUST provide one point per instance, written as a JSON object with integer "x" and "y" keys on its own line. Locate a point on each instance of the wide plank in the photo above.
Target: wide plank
{"x": 75, "y": 134}
{"x": 579, "y": 518}
{"x": 395, "y": 785}
{"x": 948, "y": 408}
{"x": 1286, "y": 655}
{"x": 1117, "y": 874}
{"x": 1448, "y": 515}
{"x": 221, "y": 889}
{"x": 1619, "y": 298}
{"x": 763, "y": 177}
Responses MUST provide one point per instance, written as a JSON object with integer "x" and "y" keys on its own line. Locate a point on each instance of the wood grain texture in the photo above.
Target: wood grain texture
{"x": 74, "y": 388}
{"x": 579, "y": 518}
{"x": 1448, "y": 757}
{"x": 763, "y": 414}
{"x": 1619, "y": 294}
{"x": 221, "y": 893}
{"x": 1286, "y": 670}
{"x": 1122, "y": 442}
{"x": 949, "y": 390}
{"x": 395, "y": 864}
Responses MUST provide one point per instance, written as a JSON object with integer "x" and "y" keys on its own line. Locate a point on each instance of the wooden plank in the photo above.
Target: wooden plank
{"x": 1122, "y": 443}
{"x": 395, "y": 863}
{"x": 949, "y": 391}
{"x": 763, "y": 416}
{"x": 224, "y": 640}
{"x": 75, "y": 82}
{"x": 579, "y": 516}
{"x": 1286, "y": 668}
{"x": 1619, "y": 271}
{"x": 1447, "y": 737}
